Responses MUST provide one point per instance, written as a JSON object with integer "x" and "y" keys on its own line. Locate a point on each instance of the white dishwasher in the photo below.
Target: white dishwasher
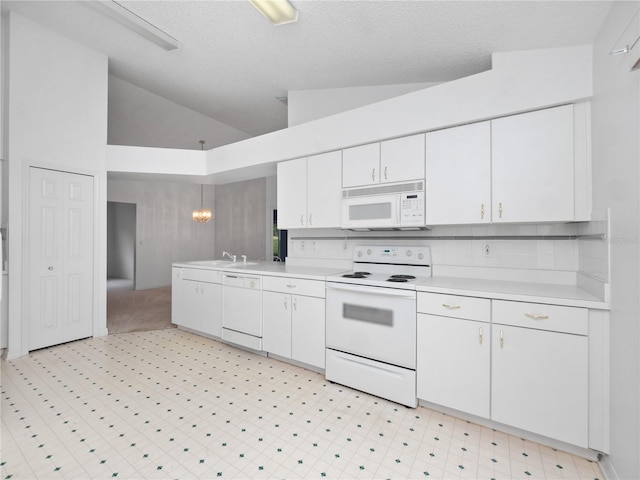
{"x": 242, "y": 310}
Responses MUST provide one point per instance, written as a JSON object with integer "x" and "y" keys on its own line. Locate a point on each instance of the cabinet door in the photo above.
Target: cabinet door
{"x": 276, "y": 323}
{"x": 458, "y": 175}
{"x": 533, "y": 166}
{"x": 361, "y": 165}
{"x": 190, "y": 305}
{"x": 307, "y": 330}
{"x": 292, "y": 193}
{"x": 211, "y": 309}
{"x": 454, "y": 361}
{"x": 540, "y": 382}
{"x": 324, "y": 187}
{"x": 402, "y": 159}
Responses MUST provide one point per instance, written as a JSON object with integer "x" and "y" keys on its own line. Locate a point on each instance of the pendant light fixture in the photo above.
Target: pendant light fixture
{"x": 204, "y": 214}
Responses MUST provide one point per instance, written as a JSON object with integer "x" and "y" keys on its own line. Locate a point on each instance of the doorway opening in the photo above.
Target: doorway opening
{"x": 279, "y": 242}
{"x": 121, "y": 246}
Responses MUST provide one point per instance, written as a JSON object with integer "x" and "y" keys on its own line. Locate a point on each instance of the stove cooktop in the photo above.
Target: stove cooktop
{"x": 392, "y": 267}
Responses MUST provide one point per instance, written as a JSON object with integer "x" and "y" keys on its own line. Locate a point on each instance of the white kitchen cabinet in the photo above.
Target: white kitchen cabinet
{"x": 307, "y": 330}
{"x": 533, "y": 166}
{"x": 402, "y": 159}
{"x": 196, "y": 300}
{"x": 309, "y": 191}
{"x": 292, "y": 193}
{"x": 395, "y": 160}
{"x": 293, "y": 319}
{"x": 276, "y": 323}
{"x": 540, "y": 369}
{"x": 454, "y": 352}
{"x": 458, "y": 175}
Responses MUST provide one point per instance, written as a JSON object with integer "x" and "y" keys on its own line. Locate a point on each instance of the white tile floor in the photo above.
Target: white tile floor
{"x": 169, "y": 404}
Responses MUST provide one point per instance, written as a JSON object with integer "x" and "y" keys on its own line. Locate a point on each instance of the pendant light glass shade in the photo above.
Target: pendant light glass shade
{"x": 204, "y": 214}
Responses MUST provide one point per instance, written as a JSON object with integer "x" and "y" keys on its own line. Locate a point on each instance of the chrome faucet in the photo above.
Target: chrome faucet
{"x": 244, "y": 259}
{"x": 232, "y": 257}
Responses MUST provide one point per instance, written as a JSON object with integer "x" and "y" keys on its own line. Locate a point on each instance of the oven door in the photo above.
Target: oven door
{"x": 377, "y": 211}
{"x": 373, "y": 322}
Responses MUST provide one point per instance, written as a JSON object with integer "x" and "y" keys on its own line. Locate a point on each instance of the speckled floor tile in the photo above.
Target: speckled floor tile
{"x": 167, "y": 404}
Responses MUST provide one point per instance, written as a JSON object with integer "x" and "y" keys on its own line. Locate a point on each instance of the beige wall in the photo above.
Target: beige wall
{"x": 240, "y": 219}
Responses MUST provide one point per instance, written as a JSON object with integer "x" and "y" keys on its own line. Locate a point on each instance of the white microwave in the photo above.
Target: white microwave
{"x": 384, "y": 207}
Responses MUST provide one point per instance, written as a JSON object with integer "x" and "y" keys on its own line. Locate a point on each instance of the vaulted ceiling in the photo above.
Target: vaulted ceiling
{"x": 232, "y": 63}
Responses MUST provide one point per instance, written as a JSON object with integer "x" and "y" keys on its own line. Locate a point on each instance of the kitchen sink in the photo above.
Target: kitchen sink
{"x": 223, "y": 263}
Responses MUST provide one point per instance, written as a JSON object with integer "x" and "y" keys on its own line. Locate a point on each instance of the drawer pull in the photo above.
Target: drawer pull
{"x": 291, "y": 285}
{"x": 501, "y": 339}
{"x": 480, "y": 335}
{"x": 451, "y": 307}
{"x": 536, "y": 317}
{"x": 286, "y": 303}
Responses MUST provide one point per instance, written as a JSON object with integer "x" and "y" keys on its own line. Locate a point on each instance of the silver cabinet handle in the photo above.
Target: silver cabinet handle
{"x": 291, "y": 285}
{"x": 500, "y": 210}
{"x": 302, "y": 219}
{"x": 373, "y": 175}
{"x": 385, "y": 173}
{"x": 310, "y": 217}
{"x": 295, "y": 304}
{"x": 501, "y": 339}
{"x": 286, "y": 303}
{"x": 536, "y": 317}
{"x": 482, "y": 211}
{"x": 451, "y": 307}
{"x": 480, "y": 335}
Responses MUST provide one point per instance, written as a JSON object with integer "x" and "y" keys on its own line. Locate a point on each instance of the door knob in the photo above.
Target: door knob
{"x": 50, "y": 268}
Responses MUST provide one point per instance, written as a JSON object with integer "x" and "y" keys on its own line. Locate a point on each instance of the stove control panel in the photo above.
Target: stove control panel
{"x": 399, "y": 255}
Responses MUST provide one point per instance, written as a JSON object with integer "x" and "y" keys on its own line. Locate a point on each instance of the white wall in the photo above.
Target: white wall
{"x": 616, "y": 184}
{"x": 307, "y": 105}
{"x": 140, "y": 118}
{"x": 57, "y": 118}
{"x": 165, "y": 231}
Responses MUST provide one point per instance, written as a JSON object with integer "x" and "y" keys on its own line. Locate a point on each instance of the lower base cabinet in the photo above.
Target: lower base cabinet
{"x": 540, "y": 382}
{"x": 196, "y": 300}
{"x": 454, "y": 363}
{"x": 530, "y": 372}
{"x": 293, "y": 324}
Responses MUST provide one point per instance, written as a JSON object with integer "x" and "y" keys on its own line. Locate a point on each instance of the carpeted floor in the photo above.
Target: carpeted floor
{"x": 137, "y": 310}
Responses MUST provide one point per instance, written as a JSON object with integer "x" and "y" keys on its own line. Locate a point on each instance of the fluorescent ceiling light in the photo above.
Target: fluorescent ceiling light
{"x": 278, "y": 12}
{"x": 136, "y": 24}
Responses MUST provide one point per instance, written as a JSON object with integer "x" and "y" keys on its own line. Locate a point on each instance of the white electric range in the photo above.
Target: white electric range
{"x": 371, "y": 321}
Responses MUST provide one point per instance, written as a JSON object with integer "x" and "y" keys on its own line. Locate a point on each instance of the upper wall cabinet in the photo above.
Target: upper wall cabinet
{"x": 526, "y": 168}
{"x": 396, "y": 160}
{"x": 309, "y": 192}
{"x": 458, "y": 175}
{"x": 533, "y": 166}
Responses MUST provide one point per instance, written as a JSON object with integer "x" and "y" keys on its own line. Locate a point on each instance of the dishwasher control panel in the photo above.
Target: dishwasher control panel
{"x": 242, "y": 281}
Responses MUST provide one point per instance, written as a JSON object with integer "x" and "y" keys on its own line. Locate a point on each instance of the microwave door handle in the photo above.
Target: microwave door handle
{"x": 378, "y": 291}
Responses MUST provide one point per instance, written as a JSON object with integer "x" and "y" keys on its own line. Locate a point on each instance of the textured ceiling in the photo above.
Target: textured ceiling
{"x": 232, "y": 63}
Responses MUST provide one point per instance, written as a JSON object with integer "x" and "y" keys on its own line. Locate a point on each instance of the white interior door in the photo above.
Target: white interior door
{"x": 60, "y": 257}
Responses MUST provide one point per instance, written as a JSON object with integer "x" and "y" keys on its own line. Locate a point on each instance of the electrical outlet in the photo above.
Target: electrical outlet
{"x": 487, "y": 250}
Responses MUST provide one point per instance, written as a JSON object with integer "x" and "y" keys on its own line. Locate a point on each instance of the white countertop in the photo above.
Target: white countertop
{"x": 276, "y": 269}
{"x": 555, "y": 294}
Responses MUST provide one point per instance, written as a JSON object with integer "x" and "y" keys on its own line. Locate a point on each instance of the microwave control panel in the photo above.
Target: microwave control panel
{"x": 412, "y": 208}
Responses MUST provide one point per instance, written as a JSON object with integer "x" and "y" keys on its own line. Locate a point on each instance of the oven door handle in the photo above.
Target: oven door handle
{"x": 389, "y": 292}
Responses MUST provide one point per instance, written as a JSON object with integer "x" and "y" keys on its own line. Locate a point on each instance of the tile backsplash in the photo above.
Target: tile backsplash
{"x": 573, "y": 247}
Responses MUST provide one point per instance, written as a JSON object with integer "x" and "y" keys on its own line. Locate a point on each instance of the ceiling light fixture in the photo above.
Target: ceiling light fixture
{"x": 278, "y": 12}
{"x": 135, "y": 23}
{"x": 204, "y": 214}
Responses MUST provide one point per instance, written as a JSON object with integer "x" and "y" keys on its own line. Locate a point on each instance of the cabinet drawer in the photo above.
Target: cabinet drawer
{"x": 554, "y": 318}
{"x": 468, "y": 308}
{"x": 202, "y": 275}
{"x": 298, "y": 286}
